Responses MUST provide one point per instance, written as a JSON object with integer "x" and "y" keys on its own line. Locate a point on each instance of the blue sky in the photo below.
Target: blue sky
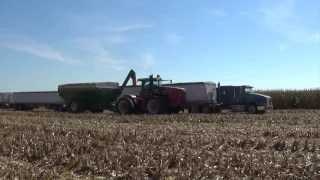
{"x": 265, "y": 43}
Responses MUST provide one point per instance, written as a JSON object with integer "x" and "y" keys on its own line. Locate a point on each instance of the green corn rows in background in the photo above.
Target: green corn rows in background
{"x": 294, "y": 99}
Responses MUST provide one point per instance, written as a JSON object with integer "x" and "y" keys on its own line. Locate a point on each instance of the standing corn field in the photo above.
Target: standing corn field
{"x": 293, "y": 99}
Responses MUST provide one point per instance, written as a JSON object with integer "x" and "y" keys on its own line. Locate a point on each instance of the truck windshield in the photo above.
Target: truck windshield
{"x": 248, "y": 90}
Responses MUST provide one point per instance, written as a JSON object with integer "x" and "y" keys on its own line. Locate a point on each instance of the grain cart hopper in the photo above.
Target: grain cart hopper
{"x": 95, "y": 97}
{"x": 152, "y": 98}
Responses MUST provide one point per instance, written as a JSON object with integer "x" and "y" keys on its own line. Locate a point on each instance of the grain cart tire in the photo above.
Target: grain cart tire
{"x": 157, "y": 105}
{"x": 125, "y": 105}
{"x": 252, "y": 109}
{"x": 76, "y": 106}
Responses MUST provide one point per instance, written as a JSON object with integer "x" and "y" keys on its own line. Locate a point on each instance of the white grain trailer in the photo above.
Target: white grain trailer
{"x": 200, "y": 96}
{"x": 4, "y": 99}
{"x": 32, "y": 100}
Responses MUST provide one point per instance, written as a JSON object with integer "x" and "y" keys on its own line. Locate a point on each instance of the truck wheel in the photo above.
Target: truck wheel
{"x": 125, "y": 105}
{"x": 252, "y": 109}
{"x": 194, "y": 109}
{"x": 217, "y": 110}
{"x": 76, "y": 107}
{"x": 156, "y": 105}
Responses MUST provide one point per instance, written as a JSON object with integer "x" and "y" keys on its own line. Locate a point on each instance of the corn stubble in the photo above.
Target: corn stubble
{"x": 46, "y": 145}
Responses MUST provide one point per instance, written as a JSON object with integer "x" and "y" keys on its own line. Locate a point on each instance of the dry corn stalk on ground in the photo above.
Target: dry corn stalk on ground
{"x": 282, "y": 144}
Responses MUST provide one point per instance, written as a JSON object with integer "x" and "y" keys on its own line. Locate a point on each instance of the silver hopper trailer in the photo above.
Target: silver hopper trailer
{"x": 32, "y": 100}
{"x": 201, "y": 96}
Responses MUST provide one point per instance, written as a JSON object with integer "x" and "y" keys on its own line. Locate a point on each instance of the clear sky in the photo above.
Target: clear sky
{"x": 265, "y": 43}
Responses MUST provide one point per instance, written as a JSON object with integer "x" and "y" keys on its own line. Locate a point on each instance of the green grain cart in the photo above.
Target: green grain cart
{"x": 94, "y": 97}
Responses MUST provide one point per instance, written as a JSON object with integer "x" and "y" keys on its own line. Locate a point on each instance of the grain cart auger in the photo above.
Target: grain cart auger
{"x": 95, "y": 97}
{"x": 153, "y": 98}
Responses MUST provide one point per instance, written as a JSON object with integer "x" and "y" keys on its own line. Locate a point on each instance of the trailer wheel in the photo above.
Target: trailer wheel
{"x": 60, "y": 108}
{"x": 55, "y": 108}
{"x": 217, "y": 110}
{"x": 125, "y": 105}
{"x": 206, "y": 109}
{"x": 252, "y": 109}
{"x": 194, "y": 109}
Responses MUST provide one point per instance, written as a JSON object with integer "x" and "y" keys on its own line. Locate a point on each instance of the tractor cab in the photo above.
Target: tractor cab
{"x": 150, "y": 85}
{"x": 158, "y": 81}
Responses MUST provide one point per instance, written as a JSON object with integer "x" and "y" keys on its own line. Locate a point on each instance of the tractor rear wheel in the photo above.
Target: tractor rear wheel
{"x": 157, "y": 105}
{"x": 125, "y": 105}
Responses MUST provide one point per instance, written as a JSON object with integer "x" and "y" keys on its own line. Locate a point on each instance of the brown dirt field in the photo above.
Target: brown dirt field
{"x": 47, "y": 145}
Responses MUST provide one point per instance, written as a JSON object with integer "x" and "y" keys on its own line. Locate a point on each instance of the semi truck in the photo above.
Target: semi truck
{"x": 23, "y": 101}
{"x": 208, "y": 97}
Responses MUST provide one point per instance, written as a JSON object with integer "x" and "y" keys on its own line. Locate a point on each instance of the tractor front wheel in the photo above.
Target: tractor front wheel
{"x": 156, "y": 105}
{"x": 125, "y": 105}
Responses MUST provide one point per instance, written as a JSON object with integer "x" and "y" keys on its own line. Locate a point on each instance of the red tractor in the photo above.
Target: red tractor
{"x": 153, "y": 98}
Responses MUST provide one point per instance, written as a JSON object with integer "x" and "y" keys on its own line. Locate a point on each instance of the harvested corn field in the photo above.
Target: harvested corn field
{"x": 282, "y": 144}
